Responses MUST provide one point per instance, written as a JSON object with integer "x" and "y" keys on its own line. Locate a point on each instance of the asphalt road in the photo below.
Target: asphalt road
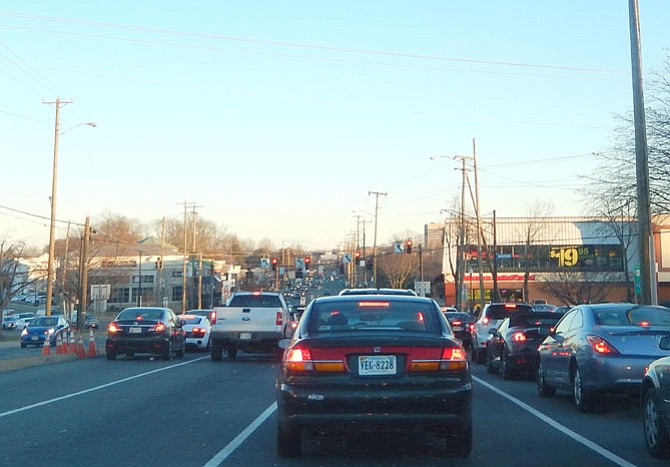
{"x": 195, "y": 412}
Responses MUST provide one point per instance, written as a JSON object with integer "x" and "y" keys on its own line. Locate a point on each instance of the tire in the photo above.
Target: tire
{"x": 182, "y": 350}
{"x": 656, "y": 436}
{"x": 216, "y": 353}
{"x": 489, "y": 364}
{"x": 542, "y": 388}
{"x": 231, "y": 352}
{"x": 505, "y": 370}
{"x": 167, "y": 351}
{"x": 459, "y": 443}
{"x": 480, "y": 356}
{"x": 583, "y": 400}
{"x": 111, "y": 356}
{"x": 289, "y": 442}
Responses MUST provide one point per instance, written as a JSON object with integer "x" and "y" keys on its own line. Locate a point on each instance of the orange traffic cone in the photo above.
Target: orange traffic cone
{"x": 72, "y": 347}
{"x": 92, "y": 352}
{"x": 81, "y": 353}
{"x": 60, "y": 348}
{"x": 46, "y": 348}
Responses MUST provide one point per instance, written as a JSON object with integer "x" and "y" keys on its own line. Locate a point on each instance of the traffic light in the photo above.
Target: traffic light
{"x": 307, "y": 261}
{"x": 159, "y": 263}
{"x": 274, "y": 264}
{"x": 408, "y": 246}
{"x": 357, "y": 257}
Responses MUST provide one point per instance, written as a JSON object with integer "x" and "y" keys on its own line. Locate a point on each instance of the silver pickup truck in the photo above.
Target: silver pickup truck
{"x": 251, "y": 322}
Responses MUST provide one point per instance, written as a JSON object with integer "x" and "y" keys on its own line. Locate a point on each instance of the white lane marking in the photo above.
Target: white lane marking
{"x": 557, "y": 426}
{"x": 97, "y": 388}
{"x": 223, "y": 454}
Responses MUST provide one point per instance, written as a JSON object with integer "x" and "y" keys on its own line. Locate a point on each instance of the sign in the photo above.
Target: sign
{"x": 422, "y": 288}
{"x": 299, "y": 263}
{"x": 397, "y": 247}
{"x": 265, "y": 263}
{"x": 638, "y": 281}
{"x": 346, "y": 258}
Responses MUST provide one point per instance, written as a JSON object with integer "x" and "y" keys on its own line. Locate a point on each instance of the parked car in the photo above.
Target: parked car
{"x": 197, "y": 329}
{"x": 655, "y": 405}
{"x": 9, "y": 322}
{"x": 155, "y": 331}
{"x": 512, "y": 346}
{"x": 91, "y": 322}
{"x": 353, "y": 359}
{"x": 42, "y": 328}
{"x": 491, "y": 317}
{"x": 601, "y": 348}
{"x": 462, "y": 325}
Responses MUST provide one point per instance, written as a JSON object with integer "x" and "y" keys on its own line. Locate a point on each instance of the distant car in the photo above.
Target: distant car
{"x": 22, "y": 323}
{"x": 461, "y": 324}
{"x": 376, "y": 363}
{"x": 9, "y": 322}
{"x": 601, "y": 348}
{"x": 512, "y": 346}
{"x": 382, "y": 291}
{"x": 544, "y": 307}
{"x": 42, "y": 328}
{"x": 655, "y": 405}
{"x": 200, "y": 312}
{"x": 491, "y": 317}
{"x": 197, "y": 329}
{"x": 155, "y": 331}
{"x": 562, "y": 309}
{"x": 91, "y": 322}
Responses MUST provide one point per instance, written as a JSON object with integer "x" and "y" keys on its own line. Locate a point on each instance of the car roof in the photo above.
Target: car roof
{"x": 379, "y": 291}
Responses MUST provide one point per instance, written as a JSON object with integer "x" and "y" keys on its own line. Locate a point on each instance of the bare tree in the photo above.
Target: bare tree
{"x": 397, "y": 269}
{"x": 537, "y": 215}
{"x": 573, "y": 288}
{"x": 13, "y": 275}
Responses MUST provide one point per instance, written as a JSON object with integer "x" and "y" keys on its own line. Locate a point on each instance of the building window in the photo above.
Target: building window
{"x": 120, "y": 295}
{"x": 177, "y": 293}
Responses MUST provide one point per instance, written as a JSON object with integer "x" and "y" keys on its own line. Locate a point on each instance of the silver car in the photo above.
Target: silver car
{"x": 599, "y": 349}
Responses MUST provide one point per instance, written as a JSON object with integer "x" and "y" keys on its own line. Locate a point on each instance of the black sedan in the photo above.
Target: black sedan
{"x": 512, "y": 346}
{"x": 155, "y": 331}
{"x": 655, "y": 405}
{"x": 374, "y": 363}
{"x": 462, "y": 325}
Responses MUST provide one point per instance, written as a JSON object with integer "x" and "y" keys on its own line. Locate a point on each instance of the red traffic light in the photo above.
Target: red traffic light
{"x": 307, "y": 260}
{"x": 274, "y": 260}
{"x": 408, "y": 246}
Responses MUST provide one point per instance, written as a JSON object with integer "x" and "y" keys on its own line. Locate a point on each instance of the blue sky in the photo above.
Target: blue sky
{"x": 278, "y": 118}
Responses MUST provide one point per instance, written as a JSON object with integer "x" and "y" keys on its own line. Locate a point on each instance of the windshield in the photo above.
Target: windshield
{"x": 45, "y": 321}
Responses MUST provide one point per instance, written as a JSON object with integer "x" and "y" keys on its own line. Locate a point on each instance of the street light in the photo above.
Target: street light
{"x": 52, "y": 224}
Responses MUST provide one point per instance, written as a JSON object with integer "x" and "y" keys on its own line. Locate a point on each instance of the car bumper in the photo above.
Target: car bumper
{"x": 154, "y": 345}
{"x": 322, "y": 408}
{"x": 197, "y": 342}
{"x": 249, "y": 341}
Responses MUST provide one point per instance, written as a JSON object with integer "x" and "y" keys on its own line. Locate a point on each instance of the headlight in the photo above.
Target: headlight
{"x": 24, "y": 332}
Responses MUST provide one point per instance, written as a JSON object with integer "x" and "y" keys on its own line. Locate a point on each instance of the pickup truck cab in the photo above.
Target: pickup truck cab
{"x": 251, "y": 322}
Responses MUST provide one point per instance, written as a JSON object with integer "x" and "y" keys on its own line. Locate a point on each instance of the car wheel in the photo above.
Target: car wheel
{"x": 582, "y": 398}
{"x": 480, "y": 355}
{"x": 216, "y": 353}
{"x": 111, "y": 355}
{"x": 505, "y": 370}
{"x": 542, "y": 388}
{"x": 489, "y": 364}
{"x": 655, "y": 431}
{"x": 167, "y": 351}
{"x": 289, "y": 442}
{"x": 459, "y": 442}
{"x": 231, "y": 352}
{"x": 182, "y": 350}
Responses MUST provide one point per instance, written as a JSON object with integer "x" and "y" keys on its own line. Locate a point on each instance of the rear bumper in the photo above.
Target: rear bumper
{"x": 247, "y": 340}
{"x": 154, "y": 345}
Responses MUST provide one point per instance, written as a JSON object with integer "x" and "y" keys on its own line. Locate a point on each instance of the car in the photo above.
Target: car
{"x": 381, "y": 291}
{"x": 512, "y": 346}
{"x": 41, "y": 328}
{"x": 201, "y": 312}
{"x": 544, "y": 307}
{"x": 655, "y": 405}
{"x": 145, "y": 330}
{"x": 491, "y": 317}
{"x": 197, "y": 330}
{"x": 461, "y": 324}
{"x": 9, "y": 322}
{"x": 598, "y": 349}
{"x": 383, "y": 363}
{"x": 91, "y": 322}
{"x": 562, "y": 309}
{"x": 22, "y": 323}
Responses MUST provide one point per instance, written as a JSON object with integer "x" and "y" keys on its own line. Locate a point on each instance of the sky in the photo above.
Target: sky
{"x": 281, "y": 119}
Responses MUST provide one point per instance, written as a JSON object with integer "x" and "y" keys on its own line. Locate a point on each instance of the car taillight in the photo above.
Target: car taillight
{"x": 601, "y": 346}
{"x": 298, "y": 360}
{"x": 456, "y": 323}
{"x": 518, "y": 337}
{"x": 198, "y": 332}
{"x": 452, "y": 359}
{"x": 279, "y": 320}
{"x": 472, "y": 327}
{"x": 159, "y": 327}
{"x": 485, "y": 320}
{"x": 113, "y": 327}
{"x": 212, "y": 318}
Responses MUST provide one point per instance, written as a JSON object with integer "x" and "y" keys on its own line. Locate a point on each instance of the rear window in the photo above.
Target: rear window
{"x": 503, "y": 310}
{"x": 464, "y": 317}
{"x": 191, "y": 319}
{"x": 373, "y": 314}
{"x": 132, "y": 314}
{"x": 255, "y": 301}
{"x": 634, "y": 316}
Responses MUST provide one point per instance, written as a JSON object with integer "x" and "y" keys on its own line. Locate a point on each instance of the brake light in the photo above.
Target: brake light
{"x": 453, "y": 358}
{"x": 374, "y": 304}
{"x": 159, "y": 327}
{"x": 518, "y": 337}
{"x": 113, "y": 328}
{"x": 299, "y": 360}
{"x": 212, "y": 317}
{"x": 456, "y": 323}
{"x": 485, "y": 320}
{"x": 510, "y": 305}
{"x": 472, "y": 327}
{"x": 279, "y": 319}
{"x": 601, "y": 346}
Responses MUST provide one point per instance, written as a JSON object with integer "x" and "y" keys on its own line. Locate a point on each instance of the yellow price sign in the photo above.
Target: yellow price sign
{"x": 567, "y": 256}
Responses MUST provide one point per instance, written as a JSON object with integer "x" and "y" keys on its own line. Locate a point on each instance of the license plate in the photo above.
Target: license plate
{"x": 34, "y": 338}
{"x": 135, "y": 330}
{"x": 372, "y": 365}
{"x": 457, "y": 328}
{"x": 245, "y": 336}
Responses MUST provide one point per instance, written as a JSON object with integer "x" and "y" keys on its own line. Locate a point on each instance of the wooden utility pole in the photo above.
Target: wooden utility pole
{"x": 374, "y": 245}
{"x": 83, "y": 278}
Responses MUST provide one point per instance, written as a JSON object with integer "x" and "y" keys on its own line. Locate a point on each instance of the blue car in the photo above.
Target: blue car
{"x": 42, "y": 328}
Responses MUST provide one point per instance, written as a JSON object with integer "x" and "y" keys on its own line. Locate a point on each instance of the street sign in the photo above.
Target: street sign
{"x": 422, "y": 288}
{"x": 397, "y": 247}
{"x": 299, "y": 263}
{"x": 265, "y": 263}
{"x": 346, "y": 258}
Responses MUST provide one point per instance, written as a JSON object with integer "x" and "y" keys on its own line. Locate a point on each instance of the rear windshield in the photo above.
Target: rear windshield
{"x": 636, "y": 316}
{"x": 373, "y": 314}
{"x": 133, "y": 314}
{"x": 191, "y": 319}
{"x": 255, "y": 301}
{"x": 465, "y": 317}
{"x": 535, "y": 318}
{"x": 502, "y": 311}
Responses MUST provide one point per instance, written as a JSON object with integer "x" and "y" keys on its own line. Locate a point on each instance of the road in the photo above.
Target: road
{"x": 195, "y": 412}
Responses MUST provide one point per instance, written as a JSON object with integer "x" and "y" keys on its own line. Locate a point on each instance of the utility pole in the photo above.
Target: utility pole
{"x": 139, "y": 281}
{"x": 496, "y": 289}
{"x": 83, "y": 291}
{"x": 648, "y": 285}
{"x": 63, "y": 282}
{"x": 479, "y": 228}
{"x": 460, "y": 261}
{"x": 374, "y": 245}
{"x": 183, "y": 271}
{"x": 52, "y": 225}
